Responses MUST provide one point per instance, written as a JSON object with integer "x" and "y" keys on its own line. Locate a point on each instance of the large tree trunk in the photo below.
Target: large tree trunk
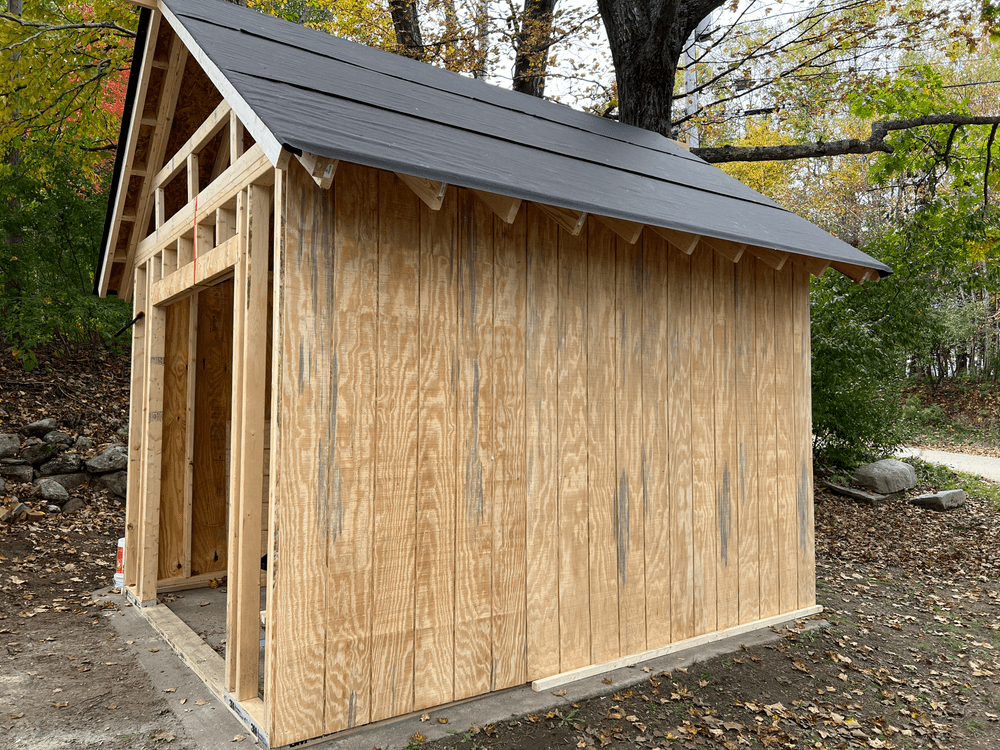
{"x": 532, "y": 42}
{"x": 646, "y": 39}
{"x": 406, "y": 22}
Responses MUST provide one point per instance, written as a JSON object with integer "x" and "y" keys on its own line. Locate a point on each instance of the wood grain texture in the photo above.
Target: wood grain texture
{"x": 784, "y": 391}
{"x": 173, "y": 479}
{"x": 541, "y": 435}
{"x": 656, "y": 438}
{"x": 726, "y": 447}
{"x": 474, "y": 509}
{"x": 510, "y": 475}
{"x": 801, "y": 353}
{"x": 212, "y": 415}
{"x": 745, "y": 315}
{"x": 681, "y": 498}
{"x": 156, "y": 323}
{"x": 396, "y": 439}
{"x": 297, "y": 570}
{"x": 437, "y": 481}
{"x": 137, "y": 401}
{"x": 234, "y": 450}
{"x": 602, "y": 359}
{"x": 349, "y": 553}
{"x": 279, "y": 316}
{"x": 574, "y": 547}
{"x": 631, "y": 486}
{"x": 767, "y": 460}
{"x": 705, "y": 538}
{"x": 251, "y": 484}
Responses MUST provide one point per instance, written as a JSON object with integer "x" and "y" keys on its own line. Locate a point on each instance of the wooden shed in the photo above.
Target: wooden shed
{"x": 505, "y": 392}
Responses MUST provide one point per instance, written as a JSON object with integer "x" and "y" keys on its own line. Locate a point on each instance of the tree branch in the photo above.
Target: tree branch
{"x": 875, "y": 144}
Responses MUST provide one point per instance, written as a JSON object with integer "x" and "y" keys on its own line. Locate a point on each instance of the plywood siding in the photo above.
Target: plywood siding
{"x": 508, "y": 452}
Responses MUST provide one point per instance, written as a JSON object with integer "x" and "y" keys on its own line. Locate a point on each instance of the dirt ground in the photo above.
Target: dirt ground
{"x": 911, "y": 659}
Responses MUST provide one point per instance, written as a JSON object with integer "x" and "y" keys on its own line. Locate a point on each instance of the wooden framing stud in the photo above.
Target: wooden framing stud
{"x": 859, "y": 274}
{"x": 320, "y": 168}
{"x": 430, "y": 192}
{"x": 570, "y": 220}
{"x": 630, "y": 231}
{"x": 169, "y": 261}
{"x": 160, "y": 207}
{"x": 502, "y": 205}
{"x": 726, "y": 248}
{"x": 235, "y": 138}
{"x": 815, "y": 266}
{"x": 192, "y": 176}
{"x": 776, "y": 259}
{"x": 683, "y": 241}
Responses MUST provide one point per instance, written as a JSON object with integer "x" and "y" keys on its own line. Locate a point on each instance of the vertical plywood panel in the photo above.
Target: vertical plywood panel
{"x": 301, "y": 516}
{"x": 574, "y": 552}
{"x": 474, "y": 509}
{"x": 784, "y": 385}
{"x": 656, "y": 438}
{"x": 541, "y": 436}
{"x": 631, "y": 487}
{"x": 602, "y": 359}
{"x": 396, "y": 459}
{"x": 767, "y": 462}
{"x": 805, "y": 539}
{"x": 726, "y": 451}
{"x": 510, "y": 476}
{"x": 349, "y": 593}
{"x": 173, "y": 483}
{"x": 705, "y": 538}
{"x": 212, "y": 415}
{"x": 437, "y": 481}
{"x": 745, "y": 316}
{"x": 680, "y": 471}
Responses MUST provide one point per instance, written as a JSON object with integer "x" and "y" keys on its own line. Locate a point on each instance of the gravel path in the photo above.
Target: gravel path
{"x": 981, "y": 465}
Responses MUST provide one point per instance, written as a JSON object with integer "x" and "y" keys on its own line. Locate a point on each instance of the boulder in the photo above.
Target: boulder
{"x": 73, "y": 504}
{"x": 52, "y": 491}
{"x": 84, "y": 443}
{"x": 22, "y": 473}
{"x": 117, "y": 482}
{"x": 941, "y": 501}
{"x": 867, "y": 497}
{"x": 71, "y": 481}
{"x": 886, "y": 476}
{"x": 3, "y": 486}
{"x": 110, "y": 459}
{"x": 59, "y": 437}
{"x": 39, "y": 452}
{"x": 67, "y": 463}
{"x": 41, "y": 427}
{"x": 9, "y": 445}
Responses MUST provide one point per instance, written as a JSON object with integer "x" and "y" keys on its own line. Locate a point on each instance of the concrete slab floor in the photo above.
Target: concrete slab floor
{"x": 212, "y": 724}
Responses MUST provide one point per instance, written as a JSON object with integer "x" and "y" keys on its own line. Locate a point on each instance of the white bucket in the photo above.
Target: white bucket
{"x": 120, "y": 568}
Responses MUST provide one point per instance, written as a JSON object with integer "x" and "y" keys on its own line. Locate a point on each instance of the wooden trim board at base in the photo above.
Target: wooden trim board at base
{"x": 207, "y": 664}
{"x": 547, "y": 683}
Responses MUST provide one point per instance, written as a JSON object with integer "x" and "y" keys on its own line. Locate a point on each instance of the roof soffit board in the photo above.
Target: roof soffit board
{"x": 129, "y": 132}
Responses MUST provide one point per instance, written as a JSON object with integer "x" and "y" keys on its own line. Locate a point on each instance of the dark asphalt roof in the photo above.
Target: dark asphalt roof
{"x": 334, "y": 98}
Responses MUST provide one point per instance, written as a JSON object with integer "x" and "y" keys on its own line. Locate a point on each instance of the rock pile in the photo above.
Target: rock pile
{"x": 53, "y": 463}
